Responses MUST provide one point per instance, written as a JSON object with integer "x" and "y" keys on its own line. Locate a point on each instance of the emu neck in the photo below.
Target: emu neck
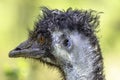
{"x": 85, "y": 60}
{"x": 87, "y": 68}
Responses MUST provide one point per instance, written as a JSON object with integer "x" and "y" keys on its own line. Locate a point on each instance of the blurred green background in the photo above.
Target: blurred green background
{"x": 16, "y": 16}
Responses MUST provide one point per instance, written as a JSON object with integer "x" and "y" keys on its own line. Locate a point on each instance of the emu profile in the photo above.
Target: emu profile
{"x": 67, "y": 40}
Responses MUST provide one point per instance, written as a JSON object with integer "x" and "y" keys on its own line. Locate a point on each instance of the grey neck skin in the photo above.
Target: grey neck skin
{"x": 85, "y": 61}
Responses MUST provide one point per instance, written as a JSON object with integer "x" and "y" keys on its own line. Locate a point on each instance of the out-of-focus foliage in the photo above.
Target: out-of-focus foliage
{"x": 12, "y": 74}
{"x": 16, "y": 16}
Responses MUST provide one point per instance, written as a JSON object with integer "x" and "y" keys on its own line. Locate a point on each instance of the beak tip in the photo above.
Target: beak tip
{"x": 12, "y": 54}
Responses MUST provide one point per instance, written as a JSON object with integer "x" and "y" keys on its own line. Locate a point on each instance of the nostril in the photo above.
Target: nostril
{"x": 17, "y": 48}
{"x": 42, "y": 48}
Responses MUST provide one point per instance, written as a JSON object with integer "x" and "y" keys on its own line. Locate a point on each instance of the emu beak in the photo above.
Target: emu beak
{"x": 27, "y": 49}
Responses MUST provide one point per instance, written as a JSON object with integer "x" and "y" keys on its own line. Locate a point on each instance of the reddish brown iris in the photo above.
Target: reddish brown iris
{"x": 42, "y": 40}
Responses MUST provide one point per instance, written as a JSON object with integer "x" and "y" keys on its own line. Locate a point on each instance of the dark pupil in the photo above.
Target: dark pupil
{"x": 66, "y": 42}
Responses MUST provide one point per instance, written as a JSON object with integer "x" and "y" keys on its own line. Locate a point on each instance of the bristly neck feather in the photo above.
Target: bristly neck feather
{"x": 86, "y": 60}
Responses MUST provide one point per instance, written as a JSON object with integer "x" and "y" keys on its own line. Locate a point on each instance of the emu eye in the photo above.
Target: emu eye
{"x": 41, "y": 40}
{"x": 67, "y": 43}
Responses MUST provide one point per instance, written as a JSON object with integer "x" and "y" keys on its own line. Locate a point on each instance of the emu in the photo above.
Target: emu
{"x": 66, "y": 40}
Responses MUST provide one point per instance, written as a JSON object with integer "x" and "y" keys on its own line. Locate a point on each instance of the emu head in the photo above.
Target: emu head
{"x": 60, "y": 36}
